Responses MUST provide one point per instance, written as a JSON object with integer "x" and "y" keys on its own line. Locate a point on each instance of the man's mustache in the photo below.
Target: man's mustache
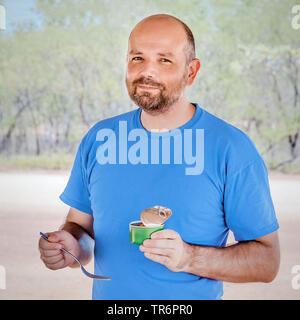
{"x": 148, "y": 82}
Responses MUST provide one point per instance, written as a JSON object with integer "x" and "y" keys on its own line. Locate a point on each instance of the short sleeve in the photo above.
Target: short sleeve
{"x": 76, "y": 193}
{"x": 248, "y": 206}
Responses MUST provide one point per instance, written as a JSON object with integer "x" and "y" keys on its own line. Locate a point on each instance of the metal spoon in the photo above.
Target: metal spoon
{"x": 94, "y": 276}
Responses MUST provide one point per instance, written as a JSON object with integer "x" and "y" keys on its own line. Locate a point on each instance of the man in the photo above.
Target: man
{"x": 114, "y": 179}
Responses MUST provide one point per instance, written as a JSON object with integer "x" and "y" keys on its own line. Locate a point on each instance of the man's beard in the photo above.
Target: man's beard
{"x": 155, "y": 103}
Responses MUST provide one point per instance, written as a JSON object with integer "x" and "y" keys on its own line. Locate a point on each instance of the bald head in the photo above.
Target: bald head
{"x": 161, "y": 63}
{"x": 164, "y": 24}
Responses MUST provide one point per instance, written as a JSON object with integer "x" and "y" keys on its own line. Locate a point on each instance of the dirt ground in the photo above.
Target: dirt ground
{"x": 29, "y": 204}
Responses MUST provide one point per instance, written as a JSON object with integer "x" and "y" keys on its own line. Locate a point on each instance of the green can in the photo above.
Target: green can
{"x": 138, "y": 234}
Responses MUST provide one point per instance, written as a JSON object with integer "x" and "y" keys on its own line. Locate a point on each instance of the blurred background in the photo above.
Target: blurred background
{"x": 62, "y": 65}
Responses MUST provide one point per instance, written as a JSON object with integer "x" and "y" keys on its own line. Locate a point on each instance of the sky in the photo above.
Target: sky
{"x": 18, "y": 11}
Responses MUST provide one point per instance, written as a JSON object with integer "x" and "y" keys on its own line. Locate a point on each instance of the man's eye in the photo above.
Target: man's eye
{"x": 136, "y": 58}
{"x": 165, "y": 60}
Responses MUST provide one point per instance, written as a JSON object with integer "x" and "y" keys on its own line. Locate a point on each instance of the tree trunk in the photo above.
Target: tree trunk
{"x": 11, "y": 128}
{"x": 293, "y": 143}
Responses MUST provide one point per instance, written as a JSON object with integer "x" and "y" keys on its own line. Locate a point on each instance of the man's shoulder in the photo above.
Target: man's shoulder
{"x": 237, "y": 146}
{"x": 224, "y": 130}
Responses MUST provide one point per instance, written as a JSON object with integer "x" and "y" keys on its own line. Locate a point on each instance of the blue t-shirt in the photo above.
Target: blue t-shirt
{"x": 209, "y": 174}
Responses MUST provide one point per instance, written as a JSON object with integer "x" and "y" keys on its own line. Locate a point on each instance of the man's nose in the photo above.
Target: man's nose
{"x": 149, "y": 70}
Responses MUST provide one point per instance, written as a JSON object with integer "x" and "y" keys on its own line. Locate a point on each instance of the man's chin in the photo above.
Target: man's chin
{"x": 150, "y": 104}
{"x": 147, "y": 104}
{"x": 150, "y": 109}
{"x": 153, "y": 109}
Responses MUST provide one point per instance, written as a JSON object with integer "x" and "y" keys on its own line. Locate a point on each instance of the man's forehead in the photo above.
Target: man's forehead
{"x": 158, "y": 30}
{"x": 161, "y": 43}
{"x": 161, "y": 51}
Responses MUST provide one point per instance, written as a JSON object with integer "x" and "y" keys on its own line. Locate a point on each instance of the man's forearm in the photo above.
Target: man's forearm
{"x": 85, "y": 240}
{"x": 248, "y": 261}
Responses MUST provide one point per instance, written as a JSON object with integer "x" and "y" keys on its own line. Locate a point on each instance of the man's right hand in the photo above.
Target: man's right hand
{"x": 51, "y": 254}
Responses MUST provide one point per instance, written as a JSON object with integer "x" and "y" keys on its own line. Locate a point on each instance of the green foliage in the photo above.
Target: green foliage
{"x": 58, "y": 79}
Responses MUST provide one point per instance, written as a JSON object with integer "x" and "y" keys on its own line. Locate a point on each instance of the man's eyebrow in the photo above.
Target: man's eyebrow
{"x": 135, "y": 52}
{"x": 170, "y": 54}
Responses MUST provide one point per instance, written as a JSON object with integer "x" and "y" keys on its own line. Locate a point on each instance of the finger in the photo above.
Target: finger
{"x": 157, "y": 258}
{"x": 163, "y": 252}
{"x": 44, "y": 254}
{"x": 52, "y": 260}
{"x": 49, "y": 253}
{"x": 166, "y": 234}
{"x": 55, "y": 236}
{"x": 58, "y": 265}
{"x": 160, "y": 243}
{"x": 46, "y": 245}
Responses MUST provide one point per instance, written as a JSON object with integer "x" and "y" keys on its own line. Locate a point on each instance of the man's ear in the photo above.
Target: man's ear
{"x": 194, "y": 67}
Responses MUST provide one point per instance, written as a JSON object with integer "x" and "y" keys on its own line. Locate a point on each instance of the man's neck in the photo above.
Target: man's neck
{"x": 176, "y": 116}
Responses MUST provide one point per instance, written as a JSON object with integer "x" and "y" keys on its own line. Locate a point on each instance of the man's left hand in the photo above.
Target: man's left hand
{"x": 167, "y": 247}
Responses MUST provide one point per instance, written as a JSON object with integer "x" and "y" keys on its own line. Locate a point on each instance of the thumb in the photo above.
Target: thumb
{"x": 55, "y": 236}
